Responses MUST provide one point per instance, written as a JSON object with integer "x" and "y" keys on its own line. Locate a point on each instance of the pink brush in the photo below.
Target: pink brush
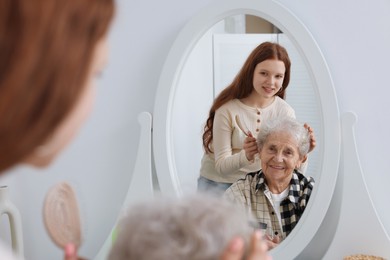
{"x": 61, "y": 215}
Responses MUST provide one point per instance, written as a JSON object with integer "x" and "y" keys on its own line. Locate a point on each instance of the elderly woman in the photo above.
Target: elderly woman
{"x": 277, "y": 194}
{"x": 193, "y": 227}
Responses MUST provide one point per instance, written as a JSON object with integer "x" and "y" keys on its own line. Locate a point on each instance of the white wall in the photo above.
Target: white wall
{"x": 355, "y": 38}
{"x": 353, "y": 35}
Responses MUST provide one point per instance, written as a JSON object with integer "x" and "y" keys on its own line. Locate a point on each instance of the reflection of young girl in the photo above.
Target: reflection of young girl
{"x": 256, "y": 94}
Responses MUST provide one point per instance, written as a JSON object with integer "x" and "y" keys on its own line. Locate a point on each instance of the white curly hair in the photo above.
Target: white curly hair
{"x": 196, "y": 227}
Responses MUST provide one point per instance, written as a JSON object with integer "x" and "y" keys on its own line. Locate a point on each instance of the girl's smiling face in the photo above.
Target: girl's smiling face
{"x": 268, "y": 77}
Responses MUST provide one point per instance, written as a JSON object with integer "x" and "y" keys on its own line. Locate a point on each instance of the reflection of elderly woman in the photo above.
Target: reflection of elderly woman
{"x": 278, "y": 194}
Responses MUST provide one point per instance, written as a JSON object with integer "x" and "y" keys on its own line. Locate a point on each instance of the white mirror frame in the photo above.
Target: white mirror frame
{"x": 329, "y": 147}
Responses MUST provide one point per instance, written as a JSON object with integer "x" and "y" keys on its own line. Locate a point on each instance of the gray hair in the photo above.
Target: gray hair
{"x": 287, "y": 125}
{"x": 196, "y": 227}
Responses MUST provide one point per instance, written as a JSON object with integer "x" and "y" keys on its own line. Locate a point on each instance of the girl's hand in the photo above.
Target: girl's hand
{"x": 250, "y": 147}
{"x": 312, "y": 137}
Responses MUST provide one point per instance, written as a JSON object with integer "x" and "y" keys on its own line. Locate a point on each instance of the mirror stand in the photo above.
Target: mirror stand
{"x": 141, "y": 184}
{"x": 359, "y": 230}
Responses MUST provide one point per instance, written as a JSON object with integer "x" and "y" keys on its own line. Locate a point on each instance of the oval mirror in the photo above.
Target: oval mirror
{"x": 181, "y": 109}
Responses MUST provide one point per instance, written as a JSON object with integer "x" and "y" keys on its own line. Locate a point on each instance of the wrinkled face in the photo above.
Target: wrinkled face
{"x": 279, "y": 157}
{"x": 268, "y": 77}
{"x": 70, "y": 126}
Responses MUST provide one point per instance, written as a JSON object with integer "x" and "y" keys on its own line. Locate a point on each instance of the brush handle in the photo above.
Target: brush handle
{"x": 239, "y": 124}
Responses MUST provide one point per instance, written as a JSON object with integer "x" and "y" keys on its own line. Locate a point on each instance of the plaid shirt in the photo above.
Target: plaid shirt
{"x": 253, "y": 193}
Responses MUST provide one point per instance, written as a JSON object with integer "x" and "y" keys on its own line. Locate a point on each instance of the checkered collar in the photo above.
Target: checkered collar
{"x": 294, "y": 186}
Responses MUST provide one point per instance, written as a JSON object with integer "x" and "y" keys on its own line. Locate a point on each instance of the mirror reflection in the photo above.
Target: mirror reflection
{"x": 211, "y": 66}
{"x": 277, "y": 194}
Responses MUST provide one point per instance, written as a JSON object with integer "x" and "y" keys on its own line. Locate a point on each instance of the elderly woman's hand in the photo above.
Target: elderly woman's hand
{"x": 312, "y": 137}
{"x": 250, "y": 147}
{"x": 257, "y": 249}
{"x": 272, "y": 242}
{"x": 70, "y": 253}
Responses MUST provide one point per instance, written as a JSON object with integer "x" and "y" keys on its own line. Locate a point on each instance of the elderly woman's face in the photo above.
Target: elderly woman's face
{"x": 279, "y": 156}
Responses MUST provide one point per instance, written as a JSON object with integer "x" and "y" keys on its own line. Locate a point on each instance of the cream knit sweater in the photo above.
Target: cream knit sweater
{"x": 228, "y": 163}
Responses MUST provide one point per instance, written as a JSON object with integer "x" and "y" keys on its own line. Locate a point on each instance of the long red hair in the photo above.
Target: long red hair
{"x": 242, "y": 85}
{"x": 46, "y": 49}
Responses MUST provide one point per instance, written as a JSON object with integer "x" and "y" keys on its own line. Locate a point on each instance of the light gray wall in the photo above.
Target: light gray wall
{"x": 353, "y": 35}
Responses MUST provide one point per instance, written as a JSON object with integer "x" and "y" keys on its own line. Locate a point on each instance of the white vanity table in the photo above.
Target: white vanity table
{"x": 333, "y": 225}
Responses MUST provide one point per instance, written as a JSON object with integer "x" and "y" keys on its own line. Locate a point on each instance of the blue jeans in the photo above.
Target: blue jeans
{"x": 212, "y": 187}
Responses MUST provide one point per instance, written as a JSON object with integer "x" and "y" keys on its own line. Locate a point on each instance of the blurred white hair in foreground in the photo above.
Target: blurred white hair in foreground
{"x": 191, "y": 227}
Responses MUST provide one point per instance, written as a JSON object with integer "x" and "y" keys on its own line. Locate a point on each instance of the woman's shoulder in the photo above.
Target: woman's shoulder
{"x": 242, "y": 186}
{"x": 281, "y": 102}
{"x": 231, "y": 105}
{"x": 303, "y": 179}
{"x": 248, "y": 180}
{"x": 280, "y": 106}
